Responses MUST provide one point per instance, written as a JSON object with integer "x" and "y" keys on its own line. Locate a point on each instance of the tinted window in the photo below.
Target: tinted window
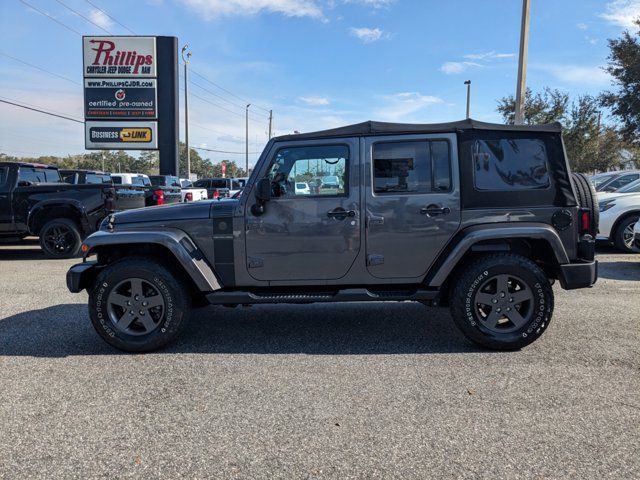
{"x": 242, "y": 182}
{"x": 69, "y": 177}
{"x": 411, "y": 167}
{"x": 96, "y": 178}
{"x": 173, "y": 181}
{"x": 4, "y": 175}
{"x": 117, "y": 180}
{"x": 510, "y": 164}
{"x": 324, "y": 168}
{"x": 202, "y": 184}
{"x": 235, "y": 185}
{"x": 157, "y": 181}
{"x": 38, "y": 175}
{"x": 633, "y": 187}
{"x": 219, "y": 183}
{"x": 139, "y": 180}
{"x": 185, "y": 184}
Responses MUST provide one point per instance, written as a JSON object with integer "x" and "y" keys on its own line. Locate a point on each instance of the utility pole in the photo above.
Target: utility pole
{"x": 521, "y": 88}
{"x": 270, "y": 122}
{"x": 468, "y": 84}
{"x": 103, "y": 161}
{"x": 246, "y": 118}
{"x": 185, "y": 58}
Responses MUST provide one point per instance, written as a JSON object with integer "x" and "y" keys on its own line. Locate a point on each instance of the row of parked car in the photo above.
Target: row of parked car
{"x": 63, "y": 206}
{"x": 619, "y": 198}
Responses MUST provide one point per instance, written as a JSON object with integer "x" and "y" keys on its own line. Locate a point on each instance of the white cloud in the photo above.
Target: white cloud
{"x": 400, "y": 106}
{"x": 582, "y": 26}
{"x": 99, "y": 18}
{"x": 622, "y": 12}
{"x": 291, "y": 8}
{"x": 314, "y": 101}
{"x": 451, "y": 68}
{"x": 577, "y": 74}
{"x": 367, "y": 35}
{"x": 492, "y": 55}
{"x": 372, "y": 3}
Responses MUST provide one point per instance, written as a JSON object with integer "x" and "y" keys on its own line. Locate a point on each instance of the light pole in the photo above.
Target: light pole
{"x": 522, "y": 63}
{"x": 468, "y": 84}
{"x": 246, "y": 118}
{"x": 185, "y": 58}
{"x": 270, "y": 122}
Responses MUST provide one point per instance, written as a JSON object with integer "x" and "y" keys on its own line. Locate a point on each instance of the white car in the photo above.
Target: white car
{"x": 139, "y": 179}
{"x": 636, "y": 235}
{"x": 633, "y": 187}
{"x": 302, "y": 188}
{"x": 191, "y": 193}
{"x": 618, "y": 216}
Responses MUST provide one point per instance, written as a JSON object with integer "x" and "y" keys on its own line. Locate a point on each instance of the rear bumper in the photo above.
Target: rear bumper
{"x": 81, "y": 276}
{"x": 578, "y": 275}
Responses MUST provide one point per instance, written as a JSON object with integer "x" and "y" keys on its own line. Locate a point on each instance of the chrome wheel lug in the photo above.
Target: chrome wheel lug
{"x": 142, "y": 312}
{"x": 495, "y": 300}
{"x": 144, "y": 304}
{"x": 130, "y": 312}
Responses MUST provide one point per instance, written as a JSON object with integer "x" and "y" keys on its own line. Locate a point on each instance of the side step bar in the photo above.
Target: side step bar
{"x": 346, "y": 295}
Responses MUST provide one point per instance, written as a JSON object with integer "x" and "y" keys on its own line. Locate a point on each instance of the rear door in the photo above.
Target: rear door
{"x": 412, "y": 202}
{"x": 6, "y": 210}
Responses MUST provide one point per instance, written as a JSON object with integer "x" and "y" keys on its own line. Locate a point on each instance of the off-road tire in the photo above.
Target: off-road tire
{"x": 618, "y": 235}
{"x": 587, "y": 198}
{"x": 466, "y": 290}
{"x": 155, "y": 276}
{"x": 68, "y": 247}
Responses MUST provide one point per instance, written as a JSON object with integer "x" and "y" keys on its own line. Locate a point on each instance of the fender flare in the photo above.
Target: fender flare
{"x": 182, "y": 248}
{"x": 473, "y": 235}
{"x": 53, "y": 203}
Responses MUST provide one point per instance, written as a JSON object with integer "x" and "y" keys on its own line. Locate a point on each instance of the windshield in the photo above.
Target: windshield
{"x": 186, "y": 184}
{"x": 140, "y": 180}
{"x": 633, "y": 187}
{"x": 600, "y": 179}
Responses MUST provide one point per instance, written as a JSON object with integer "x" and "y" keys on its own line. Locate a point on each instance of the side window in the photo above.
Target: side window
{"x": 4, "y": 175}
{"x": 117, "y": 180}
{"x": 510, "y": 164}
{"x": 323, "y": 169}
{"x": 623, "y": 180}
{"x": 201, "y": 184}
{"x": 416, "y": 166}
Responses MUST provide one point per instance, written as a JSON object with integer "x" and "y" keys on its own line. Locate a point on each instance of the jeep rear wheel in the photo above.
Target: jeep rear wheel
{"x": 60, "y": 238}
{"x": 137, "y": 305}
{"x": 502, "y": 301}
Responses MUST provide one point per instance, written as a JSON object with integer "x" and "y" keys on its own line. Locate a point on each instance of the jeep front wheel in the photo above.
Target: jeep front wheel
{"x": 138, "y": 305}
{"x": 502, "y": 301}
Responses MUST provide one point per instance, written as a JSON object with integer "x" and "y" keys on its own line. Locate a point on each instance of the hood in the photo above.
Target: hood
{"x": 602, "y": 197}
{"x": 165, "y": 213}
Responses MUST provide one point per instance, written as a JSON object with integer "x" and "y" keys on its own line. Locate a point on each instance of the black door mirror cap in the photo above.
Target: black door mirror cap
{"x": 263, "y": 190}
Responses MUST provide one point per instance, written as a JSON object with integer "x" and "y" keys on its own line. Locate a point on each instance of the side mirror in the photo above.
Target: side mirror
{"x": 263, "y": 190}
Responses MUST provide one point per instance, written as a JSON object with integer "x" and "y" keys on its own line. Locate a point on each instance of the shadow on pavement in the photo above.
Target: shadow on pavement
{"x": 629, "y": 271}
{"x": 321, "y": 329}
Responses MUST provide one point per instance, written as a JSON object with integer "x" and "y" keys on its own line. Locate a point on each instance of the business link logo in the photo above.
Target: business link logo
{"x": 121, "y": 134}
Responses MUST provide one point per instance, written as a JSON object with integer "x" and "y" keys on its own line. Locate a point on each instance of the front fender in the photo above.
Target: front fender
{"x": 175, "y": 241}
{"x": 505, "y": 231}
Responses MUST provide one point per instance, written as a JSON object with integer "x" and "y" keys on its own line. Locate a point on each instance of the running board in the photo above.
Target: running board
{"x": 345, "y": 295}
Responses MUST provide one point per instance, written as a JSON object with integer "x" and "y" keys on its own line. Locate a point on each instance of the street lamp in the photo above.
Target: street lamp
{"x": 468, "y": 84}
{"x": 185, "y": 58}
{"x": 521, "y": 88}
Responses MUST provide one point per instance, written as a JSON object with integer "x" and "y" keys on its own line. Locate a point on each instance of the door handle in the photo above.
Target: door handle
{"x": 340, "y": 213}
{"x": 435, "y": 210}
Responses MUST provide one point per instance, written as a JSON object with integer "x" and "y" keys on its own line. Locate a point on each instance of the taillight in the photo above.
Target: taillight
{"x": 216, "y": 194}
{"x": 188, "y": 197}
{"x": 585, "y": 221}
{"x": 158, "y": 196}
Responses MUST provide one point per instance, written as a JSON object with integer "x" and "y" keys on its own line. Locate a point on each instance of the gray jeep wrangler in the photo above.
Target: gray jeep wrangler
{"x": 479, "y": 217}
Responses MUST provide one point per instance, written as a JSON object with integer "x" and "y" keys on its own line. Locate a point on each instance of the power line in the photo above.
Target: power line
{"x": 112, "y": 18}
{"x": 221, "y": 107}
{"x": 41, "y": 111}
{"x": 50, "y": 17}
{"x": 222, "y": 151}
{"x": 82, "y": 16}
{"x": 244, "y": 100}
{"x": 40, "y": 68}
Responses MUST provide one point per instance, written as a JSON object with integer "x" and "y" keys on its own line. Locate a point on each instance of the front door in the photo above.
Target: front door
{"x": 310, "y": 229}
{"x": 6, "y": 211}
{"x": 412, "y": 203}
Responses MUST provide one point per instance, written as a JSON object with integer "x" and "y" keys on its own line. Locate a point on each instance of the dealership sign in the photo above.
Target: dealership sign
{"x": 121, "y": 135}
{"x": 109, "y": 98}
{"x": 119, "y": 56}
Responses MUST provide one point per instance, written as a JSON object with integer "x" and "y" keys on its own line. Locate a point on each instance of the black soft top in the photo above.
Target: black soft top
{"x": 385, "y": 128}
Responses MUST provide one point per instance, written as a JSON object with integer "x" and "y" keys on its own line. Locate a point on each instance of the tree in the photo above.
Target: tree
{"x": 624, "y": 67}
{"x": 590, "y": 147}
{"x": 546, "y": 107}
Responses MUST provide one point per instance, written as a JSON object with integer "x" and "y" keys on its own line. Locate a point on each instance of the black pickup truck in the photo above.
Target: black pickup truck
{"x": 35, "y": 201}
{"x": 170, "y": 185}
{"x": 127, "y": 196}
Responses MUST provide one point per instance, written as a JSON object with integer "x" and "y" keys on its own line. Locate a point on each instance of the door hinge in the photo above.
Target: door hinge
{"x": 255, "y": 262}
{"x": 375, "y": 259}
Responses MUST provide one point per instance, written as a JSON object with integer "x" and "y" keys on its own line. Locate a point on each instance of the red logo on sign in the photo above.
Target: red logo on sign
{"x": 105, "y": 55}
{"x": 120, "y": 94}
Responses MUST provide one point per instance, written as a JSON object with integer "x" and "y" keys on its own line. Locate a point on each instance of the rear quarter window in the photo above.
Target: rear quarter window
{"x": 509, "y": 164}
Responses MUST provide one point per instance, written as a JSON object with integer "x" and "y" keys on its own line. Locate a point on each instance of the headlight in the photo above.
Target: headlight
{"x": 606, "y": 206}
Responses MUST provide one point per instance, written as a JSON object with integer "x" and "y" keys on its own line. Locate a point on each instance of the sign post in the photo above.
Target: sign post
{"x": 131, "y": 95}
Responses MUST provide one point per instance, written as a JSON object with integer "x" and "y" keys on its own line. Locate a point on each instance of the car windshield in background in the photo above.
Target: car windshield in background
{"x": 186, "y": 184}
{"x": 38, "y": 175}
{"x": 94, "y": 178}
{"x": 219, "y": 183}
{"x": 600, "y": 179}
{"x": 633, "y": 187}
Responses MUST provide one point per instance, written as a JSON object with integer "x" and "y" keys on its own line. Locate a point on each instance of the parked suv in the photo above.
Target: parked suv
{"x": 479, "y": 217}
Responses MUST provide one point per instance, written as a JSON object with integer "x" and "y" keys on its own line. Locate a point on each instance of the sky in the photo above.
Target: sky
{"x": 316, "y": 63}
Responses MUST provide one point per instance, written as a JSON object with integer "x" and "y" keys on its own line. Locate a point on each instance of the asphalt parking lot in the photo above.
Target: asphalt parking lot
{"x": 318, "y": 391}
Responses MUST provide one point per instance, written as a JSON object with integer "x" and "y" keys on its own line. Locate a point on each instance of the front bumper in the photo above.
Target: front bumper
{"x": 81, "y": 276}
{"x": 578, "y": 275}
